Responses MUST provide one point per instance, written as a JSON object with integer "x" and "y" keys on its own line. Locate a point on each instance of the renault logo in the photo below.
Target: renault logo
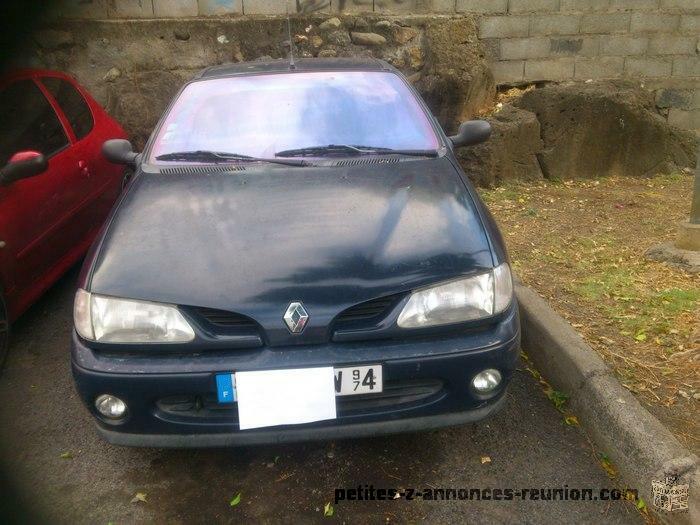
{"x": 296, "y": 317}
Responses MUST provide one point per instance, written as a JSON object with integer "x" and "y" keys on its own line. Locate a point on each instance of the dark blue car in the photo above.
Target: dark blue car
{"x": 298, "y": 256}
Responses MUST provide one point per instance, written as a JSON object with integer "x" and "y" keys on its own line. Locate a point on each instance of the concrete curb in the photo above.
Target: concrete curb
{"x": 641, "y": 448}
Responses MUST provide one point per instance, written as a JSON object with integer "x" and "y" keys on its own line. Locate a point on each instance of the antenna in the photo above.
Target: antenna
{"x": 292, "y": 66}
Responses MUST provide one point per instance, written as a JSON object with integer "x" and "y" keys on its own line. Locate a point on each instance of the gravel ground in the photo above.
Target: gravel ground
{"x": 42, "y": 420}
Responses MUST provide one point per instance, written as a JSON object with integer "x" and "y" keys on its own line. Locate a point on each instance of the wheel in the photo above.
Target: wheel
{"x": 4, "y": 331}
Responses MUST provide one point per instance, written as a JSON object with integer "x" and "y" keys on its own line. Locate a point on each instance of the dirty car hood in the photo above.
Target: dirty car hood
{"x": 253, "y": 241}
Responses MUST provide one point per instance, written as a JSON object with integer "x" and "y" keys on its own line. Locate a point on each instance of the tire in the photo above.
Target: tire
{"x": 4, "y": 332}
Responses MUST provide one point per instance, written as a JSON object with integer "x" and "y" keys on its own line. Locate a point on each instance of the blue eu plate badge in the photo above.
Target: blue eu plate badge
{"x": 226, "y": 388}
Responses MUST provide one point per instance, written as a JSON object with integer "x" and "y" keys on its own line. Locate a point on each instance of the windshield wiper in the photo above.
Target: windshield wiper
{"x": 352, "y": 149}
{"x": 221, "y": 156}
{"x": 202, "y": 155}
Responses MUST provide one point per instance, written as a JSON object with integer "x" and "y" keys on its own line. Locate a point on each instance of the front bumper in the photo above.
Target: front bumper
{"x": 171, "y": 398}
{"x": 309, "y": 432}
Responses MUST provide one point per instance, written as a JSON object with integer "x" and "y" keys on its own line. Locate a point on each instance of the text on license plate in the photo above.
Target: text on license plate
{"x": 353, "y": 380}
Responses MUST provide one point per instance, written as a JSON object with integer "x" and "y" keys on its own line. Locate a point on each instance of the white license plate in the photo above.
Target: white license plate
{"x": 354, "y": 380}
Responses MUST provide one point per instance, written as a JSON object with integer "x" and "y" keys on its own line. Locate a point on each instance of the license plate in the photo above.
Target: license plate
{"x": 354, "y": 380}
{"x": 349, "y": 381}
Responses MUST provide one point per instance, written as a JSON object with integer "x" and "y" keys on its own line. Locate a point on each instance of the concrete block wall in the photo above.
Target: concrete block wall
{"x": 654, "y": 41}
{"x": 650, "y": 39}
{"x": 100, "y": 9}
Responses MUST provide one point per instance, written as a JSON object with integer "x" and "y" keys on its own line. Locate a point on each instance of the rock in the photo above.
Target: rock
{"x": 397, "y": 61}
{"x": 360, "y": 23}
{"x": 604, "y": 129}
{"x": 339, "y": 38}
{"x": 670, "y": 254}
{"x": 112, "y": 75}
{"x": 328, "y": 53}
{"x": 316, "y": 41}
{"x": 510, "y": 153}
{"x": 415, "y": 57}
{"x": 236, "y": 54}
{"x": 456, "y": 81}
{"x": 330, "y": 24}
{"x": 403, "y": 35}
{"x": 181, "y": 34}
{"x": 367, "y": 39}
{"x": 383, "y": 24}
{"x": 54, "y": 39}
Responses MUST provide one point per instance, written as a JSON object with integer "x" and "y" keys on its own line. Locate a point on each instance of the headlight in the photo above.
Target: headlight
{"x": 467, "y": 299}
{"x": 112, "y": 320}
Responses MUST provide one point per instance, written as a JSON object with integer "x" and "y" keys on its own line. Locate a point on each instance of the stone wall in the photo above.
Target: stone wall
{"x": 135, "y": 67}
{"x": 654, "y": 41}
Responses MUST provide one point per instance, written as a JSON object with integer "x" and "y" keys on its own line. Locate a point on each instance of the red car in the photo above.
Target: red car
{"x": 56, "y": 188}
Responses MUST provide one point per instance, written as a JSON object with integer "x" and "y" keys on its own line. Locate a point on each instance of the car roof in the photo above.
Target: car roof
{"x": 282, "y": 65}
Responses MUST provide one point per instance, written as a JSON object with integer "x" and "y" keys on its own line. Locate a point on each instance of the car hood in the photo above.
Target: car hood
{"x": 253, "y": 241}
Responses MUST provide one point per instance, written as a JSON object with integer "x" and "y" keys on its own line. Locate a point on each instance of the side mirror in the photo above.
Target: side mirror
{"x": 22, "y": 165}
{"x": 471, "y": 132}
{"x": 119, "y": 151}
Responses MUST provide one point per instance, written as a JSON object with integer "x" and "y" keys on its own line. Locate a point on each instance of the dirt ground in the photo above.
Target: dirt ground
{"x": 581, "y": 245}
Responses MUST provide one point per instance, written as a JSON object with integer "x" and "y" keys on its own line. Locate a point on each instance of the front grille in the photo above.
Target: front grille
{"x": 225, "y": 319}
{"x": 197, "y": 406}
{"x": 374, "y": 309}
{"x": 397, "y": 395}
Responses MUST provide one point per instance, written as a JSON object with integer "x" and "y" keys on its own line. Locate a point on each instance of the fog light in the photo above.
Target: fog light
{"x": 110, "y": 406}
{"x": 486, "y": 381}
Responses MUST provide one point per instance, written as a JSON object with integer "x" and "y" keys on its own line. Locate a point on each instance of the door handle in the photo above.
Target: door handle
{"x": 83, "y": 166}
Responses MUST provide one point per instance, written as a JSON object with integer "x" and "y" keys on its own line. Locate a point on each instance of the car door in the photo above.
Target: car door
{"x": 31, "y": 210}
{"x": 82, "y": 214}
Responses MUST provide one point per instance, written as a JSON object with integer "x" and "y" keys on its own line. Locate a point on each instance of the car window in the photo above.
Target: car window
{"x": 72, "y": 103}
{"x": 259, "y": 115}
{"x": 28, "y": 122}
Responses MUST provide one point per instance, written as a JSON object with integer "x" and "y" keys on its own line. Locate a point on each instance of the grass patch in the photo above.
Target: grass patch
{"x": 613, "y": 283}
{"x": 581, "y": 245}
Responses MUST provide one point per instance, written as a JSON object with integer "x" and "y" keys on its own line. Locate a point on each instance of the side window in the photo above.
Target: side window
{"x": 28, "y": 122}
{"x": 72, "y": 103}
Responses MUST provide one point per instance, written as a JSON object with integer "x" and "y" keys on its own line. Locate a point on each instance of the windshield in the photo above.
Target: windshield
{"x": 260, "y": 115}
